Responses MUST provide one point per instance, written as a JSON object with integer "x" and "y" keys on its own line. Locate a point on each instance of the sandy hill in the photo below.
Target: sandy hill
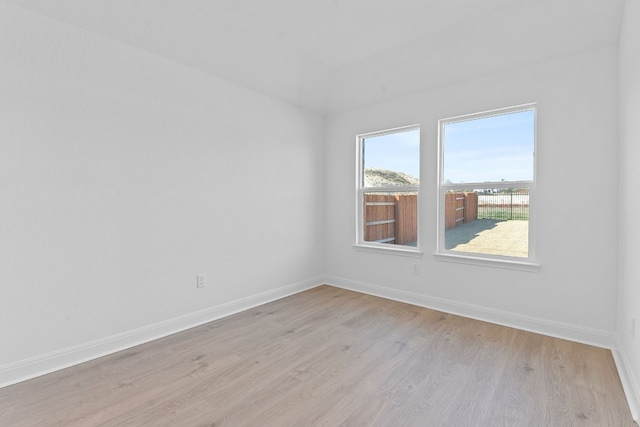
{"x": 383, "y": 177}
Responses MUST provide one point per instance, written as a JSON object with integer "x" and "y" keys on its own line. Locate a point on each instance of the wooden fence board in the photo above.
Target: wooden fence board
{"x": 470, "y": 207}
{"x": 390, "y": 218}
{"x": 378, "y": 209}
{"x": 406, "y": 219}
{"x": 460, "y": 208}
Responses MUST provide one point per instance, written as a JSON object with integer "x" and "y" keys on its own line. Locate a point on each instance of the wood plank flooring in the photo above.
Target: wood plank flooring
{"x": 331, "y": 357}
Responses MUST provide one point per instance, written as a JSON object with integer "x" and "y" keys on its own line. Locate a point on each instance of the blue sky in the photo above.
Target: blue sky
{"x": 490, "y": 149}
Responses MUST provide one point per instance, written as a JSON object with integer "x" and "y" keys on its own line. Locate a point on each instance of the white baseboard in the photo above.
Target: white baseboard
{"x": 22, "y": 370}
{"x": 629, "y": 382}
{"x": 595, "y": 337}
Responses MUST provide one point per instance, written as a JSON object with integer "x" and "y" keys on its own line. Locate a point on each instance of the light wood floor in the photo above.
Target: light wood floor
{"x": 330, "y": 357}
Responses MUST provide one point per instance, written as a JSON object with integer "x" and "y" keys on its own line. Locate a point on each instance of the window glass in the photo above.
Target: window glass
{"x": 388, "y": 188}
{"x": 486, "y": 181}
{"x": 490, "y": 149}
{"x": 392, "y": 160}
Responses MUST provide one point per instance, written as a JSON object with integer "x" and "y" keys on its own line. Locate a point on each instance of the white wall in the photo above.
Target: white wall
{"x": 123, "y": 175}
{"x": 629, "y": 227}
{"x": 574, "y": 292}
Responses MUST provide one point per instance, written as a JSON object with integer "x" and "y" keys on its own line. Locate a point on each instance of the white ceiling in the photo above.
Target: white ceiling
{"x": 332, "y": 55}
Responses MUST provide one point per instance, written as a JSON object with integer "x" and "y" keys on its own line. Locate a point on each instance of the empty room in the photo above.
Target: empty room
{"x": 319, "y": 213}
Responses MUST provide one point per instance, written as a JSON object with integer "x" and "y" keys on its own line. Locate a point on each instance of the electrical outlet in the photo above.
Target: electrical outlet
{"x": 633, "y": 327}
{"x": 201, "y": 281}
{"x": 416, "y": 269}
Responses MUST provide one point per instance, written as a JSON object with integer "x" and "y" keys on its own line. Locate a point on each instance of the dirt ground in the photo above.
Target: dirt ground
{"x": 488, "y": 236}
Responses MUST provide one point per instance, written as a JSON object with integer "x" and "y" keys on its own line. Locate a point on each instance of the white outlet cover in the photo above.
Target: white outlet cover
{"x": 201, "y": 281}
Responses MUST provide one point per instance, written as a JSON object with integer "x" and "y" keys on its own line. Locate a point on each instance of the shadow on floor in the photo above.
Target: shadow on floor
{"x": 464, "y": 233}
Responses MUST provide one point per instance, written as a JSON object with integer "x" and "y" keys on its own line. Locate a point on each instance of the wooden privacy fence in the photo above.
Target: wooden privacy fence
{"x": 393, "y": 218}
{"x": 390, "y": 218}
{"x": 460, "y": 208}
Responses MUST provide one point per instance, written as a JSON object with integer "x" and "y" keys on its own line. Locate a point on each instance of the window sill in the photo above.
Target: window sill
{"x": 407, "y": 251}
{"x": 489, "y": 262}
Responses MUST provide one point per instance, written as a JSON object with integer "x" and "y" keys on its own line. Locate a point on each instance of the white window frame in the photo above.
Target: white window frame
{"x": 361, "y": 190}
{"x": 519, "y": 263}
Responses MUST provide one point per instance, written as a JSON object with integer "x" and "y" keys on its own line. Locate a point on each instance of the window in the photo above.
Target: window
{"x": 486, "y": 181}
{"x": 388, "y": 175}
